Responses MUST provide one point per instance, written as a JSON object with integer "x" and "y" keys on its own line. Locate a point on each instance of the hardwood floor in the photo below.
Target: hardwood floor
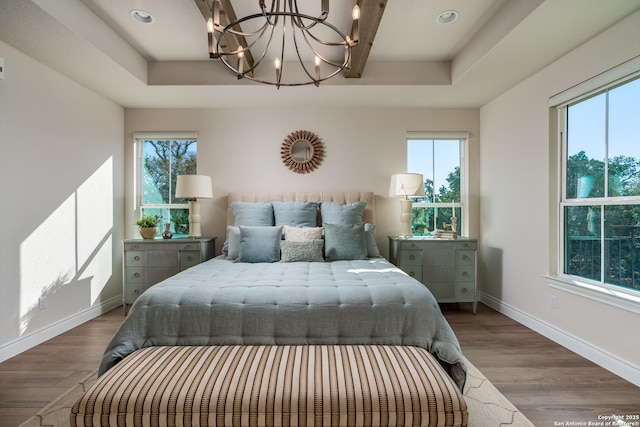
{"x": 548, "y": 383}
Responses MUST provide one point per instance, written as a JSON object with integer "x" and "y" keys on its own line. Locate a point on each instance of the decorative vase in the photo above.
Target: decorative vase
{"x": 166, "y": 234}
{"x": 148, "y": 232}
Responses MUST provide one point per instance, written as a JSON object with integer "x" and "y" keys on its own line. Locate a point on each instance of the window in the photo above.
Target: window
{"x": 600, "y": 196}
{"x": 162, "y": 157}
{"x": 439, "y": 157}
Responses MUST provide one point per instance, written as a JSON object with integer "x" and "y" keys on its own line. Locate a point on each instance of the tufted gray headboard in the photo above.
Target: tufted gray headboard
{"x": 342, "y": 197}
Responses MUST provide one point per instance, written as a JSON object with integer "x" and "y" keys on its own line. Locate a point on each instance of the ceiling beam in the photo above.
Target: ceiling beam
{"x": 232, "y": 42}
{"x": 370, "y": 16}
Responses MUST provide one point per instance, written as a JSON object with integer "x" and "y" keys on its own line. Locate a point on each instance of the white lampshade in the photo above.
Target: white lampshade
{"x": 406, "y": 185}
{"x": 194, "y": 187}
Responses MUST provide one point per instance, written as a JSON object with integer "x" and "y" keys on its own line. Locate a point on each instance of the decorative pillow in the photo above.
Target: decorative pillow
{"x": 296, "y": 213}
{"x": 301, "y": 250}
{"x": 344, "y": 241}
{"x": 372, "y": 246}
{"x": 259, "y": 244}
{"x": 253, "y": 214}
{"x": 231, "y": 247}
{"x": 335, "y": 213}
{"x": 302, "y": 233}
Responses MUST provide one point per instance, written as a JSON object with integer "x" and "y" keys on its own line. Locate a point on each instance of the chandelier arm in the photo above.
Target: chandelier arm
{"x": 315, "y": 79}
{"x": 323, "y": 58}
{"x": 255, "y": 34}
{"x": 257, "y": 62}
{"x": 297, "y": 17}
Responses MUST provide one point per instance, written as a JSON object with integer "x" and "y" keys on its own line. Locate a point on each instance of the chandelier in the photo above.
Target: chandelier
{"x": 302, "y": 49}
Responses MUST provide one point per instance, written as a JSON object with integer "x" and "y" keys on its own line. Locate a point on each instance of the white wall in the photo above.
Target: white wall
{"x": 61, "y": 174}
{"x": 240, "y": 150}
{"x": 517, "y": 233}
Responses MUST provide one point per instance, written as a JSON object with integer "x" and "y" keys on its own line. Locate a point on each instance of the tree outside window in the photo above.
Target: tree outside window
{"x": 438, "y": 160}
{"x": 601, "y": 198}
{"x": 162, "y": 160}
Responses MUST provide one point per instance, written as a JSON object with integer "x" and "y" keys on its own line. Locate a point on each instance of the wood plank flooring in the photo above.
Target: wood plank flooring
{"x": 548, "y": 383}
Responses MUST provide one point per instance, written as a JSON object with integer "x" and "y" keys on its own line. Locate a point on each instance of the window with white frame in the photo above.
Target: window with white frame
{"x": 161, "y": 158}
{"x": 600, "y": 192}
{"x": 440, "y": 158}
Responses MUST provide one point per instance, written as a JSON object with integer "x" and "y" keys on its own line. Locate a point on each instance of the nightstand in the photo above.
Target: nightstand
{"x": 447, "y": 267}
{"x": 149, "y": 261}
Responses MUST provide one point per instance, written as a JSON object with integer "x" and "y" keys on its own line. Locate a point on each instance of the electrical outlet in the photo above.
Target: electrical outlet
{"x": 553, "y": 301}
{"x": 42, "y": 302}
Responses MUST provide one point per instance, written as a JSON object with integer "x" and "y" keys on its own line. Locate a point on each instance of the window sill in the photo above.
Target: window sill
{"x": 604, "y": 294}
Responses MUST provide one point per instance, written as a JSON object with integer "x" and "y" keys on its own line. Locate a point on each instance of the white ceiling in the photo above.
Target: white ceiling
{"x": 414, "y": 61}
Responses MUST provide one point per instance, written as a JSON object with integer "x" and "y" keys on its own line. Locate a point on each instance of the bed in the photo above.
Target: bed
{"x": 263, "y": 292}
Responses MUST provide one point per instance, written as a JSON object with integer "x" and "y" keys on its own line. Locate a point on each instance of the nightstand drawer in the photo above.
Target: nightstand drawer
{"x": 133, "y": 292}
{"x": 133, "y": 258}
{"x": 414, "y": 271}
{"x": 465, "y": 291}
{"x": 134, "y": 275}
{"x": 410, "y": 257}
{"x": 189, "y": 259}
{"x": 465, "y": 257}
{"x": 465, "y": 245}
{"x": 466, "y": 272}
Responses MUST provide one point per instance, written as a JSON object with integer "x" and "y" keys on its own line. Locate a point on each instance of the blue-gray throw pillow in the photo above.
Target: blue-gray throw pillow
{"x": 372, "y": 246}
{"x": 301, "y": 250}
{"x": 259, "y": 243}
{"x": 344, "y": 242}
{"x": 335, "y": 213}
{"x": 231, "y": 247}
{"x": 252, "y": 213}
{"x": 296, "y": 213}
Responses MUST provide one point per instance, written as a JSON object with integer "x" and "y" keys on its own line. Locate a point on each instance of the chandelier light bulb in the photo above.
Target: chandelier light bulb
{"x": 355, "y": 14}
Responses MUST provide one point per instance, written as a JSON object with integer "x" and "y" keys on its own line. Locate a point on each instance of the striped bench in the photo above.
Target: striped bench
{"x": 319, "y": 385}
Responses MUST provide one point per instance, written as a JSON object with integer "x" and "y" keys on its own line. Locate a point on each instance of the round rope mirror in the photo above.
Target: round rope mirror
{"x": 302, "y": 151}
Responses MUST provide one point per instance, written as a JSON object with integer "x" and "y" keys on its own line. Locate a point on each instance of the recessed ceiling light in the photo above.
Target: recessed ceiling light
{"x": 447, "y": 17}
{"x": 141, "y": 16}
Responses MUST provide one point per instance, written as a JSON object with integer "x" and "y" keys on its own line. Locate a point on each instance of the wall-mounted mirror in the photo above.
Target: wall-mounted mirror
{"x": 302, "y": 151}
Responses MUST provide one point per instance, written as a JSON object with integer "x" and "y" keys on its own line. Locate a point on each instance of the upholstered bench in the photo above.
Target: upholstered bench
{"x": 273, "y": 386}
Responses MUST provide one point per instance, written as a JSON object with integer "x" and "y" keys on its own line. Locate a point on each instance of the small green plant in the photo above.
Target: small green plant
{"x": 149, "y": 221}
{"x": 180, "y": 223}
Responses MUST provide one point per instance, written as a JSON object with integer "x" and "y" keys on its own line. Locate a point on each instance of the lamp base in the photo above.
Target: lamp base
{"x": 406, "y": 214}
{"x": 194, "y": 219}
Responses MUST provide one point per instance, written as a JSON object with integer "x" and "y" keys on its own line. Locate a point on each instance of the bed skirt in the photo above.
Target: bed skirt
{"x": 342, "y": 385}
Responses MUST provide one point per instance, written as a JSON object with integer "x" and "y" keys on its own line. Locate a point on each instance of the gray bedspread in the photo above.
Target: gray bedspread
{"x": 220, "y": 302}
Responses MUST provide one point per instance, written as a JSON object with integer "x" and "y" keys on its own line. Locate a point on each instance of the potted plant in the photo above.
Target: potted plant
{"x": 149, "y": 225}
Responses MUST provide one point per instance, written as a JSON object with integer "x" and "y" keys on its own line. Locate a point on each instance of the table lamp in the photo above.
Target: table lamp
{"x": 194, "y": 187}
{"x": 406, "y": 185}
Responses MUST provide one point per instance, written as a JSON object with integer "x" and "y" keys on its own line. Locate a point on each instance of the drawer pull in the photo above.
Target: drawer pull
{"x": 465, "y": 257}
{"x": 464, "y": 290}
{"x": 136, "y": 291}
{"x": 136, "y": 274}
{"x": 413, "y": 245}
{"x": 411, "y": 273}
{"x": 412, "y": 257}
{"x": 136, "y": 258}
{"x": 464, "y": 273}
{"x": 135, "y": 246}
{"x": 189, "y": 258}
{"x": 466, "y": 245}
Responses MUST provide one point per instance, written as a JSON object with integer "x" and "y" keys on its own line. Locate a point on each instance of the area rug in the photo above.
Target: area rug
{"x": 487, "y": 406}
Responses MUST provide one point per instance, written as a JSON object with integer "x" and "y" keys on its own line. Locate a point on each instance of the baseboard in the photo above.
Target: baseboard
{"x": 597, "y": 355}
{"x": 31, "y": 340}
